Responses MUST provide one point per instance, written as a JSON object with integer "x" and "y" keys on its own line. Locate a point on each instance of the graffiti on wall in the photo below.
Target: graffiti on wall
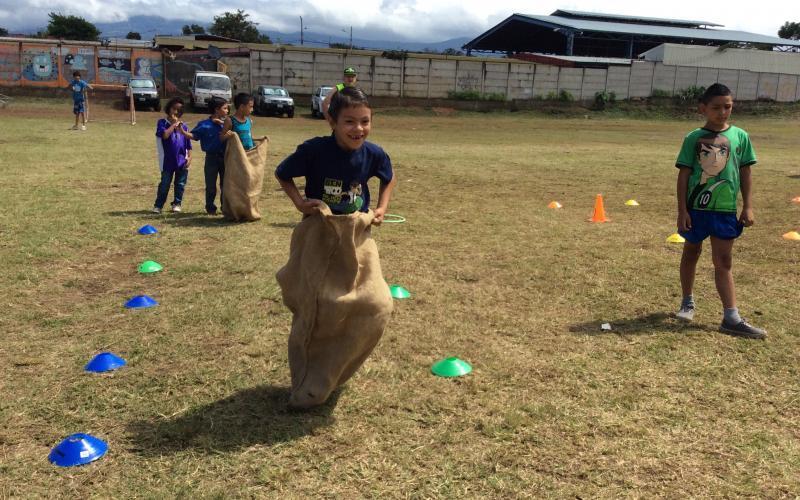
{"x": 148, "y": 66}
{"x": 39, "y": 64}
{"x": 9, "y": 64}
{"x": 114, "y": 65}
{"x": 180, "y": 72}
{"x": 77, "y": 59}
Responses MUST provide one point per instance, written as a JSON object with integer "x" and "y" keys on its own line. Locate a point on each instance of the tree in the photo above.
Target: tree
{"x": 3, "y": 32}
{"x": 71, "y": 28}
{"x": 133, "y": 35}
{"x": 452, "y": 52}
{"x": 237, "y": 26}
{"x": 193, "y": 29}
{"x": 790, "y": 30}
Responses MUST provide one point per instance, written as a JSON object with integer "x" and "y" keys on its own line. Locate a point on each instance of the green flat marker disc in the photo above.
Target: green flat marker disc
{"x": 398, "y": 292}
{"x": 150, "y": 266}
{"x": 451, "y": 367}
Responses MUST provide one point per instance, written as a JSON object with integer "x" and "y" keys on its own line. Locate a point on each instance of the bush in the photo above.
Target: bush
{"x": 660, "y": 93}
{"x": 603, "y": 98}
{"x": 474, "y": 95}
{"x": 690, "y": 94}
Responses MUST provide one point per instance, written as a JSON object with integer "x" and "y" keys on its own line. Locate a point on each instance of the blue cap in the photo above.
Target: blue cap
{"x": 78, "y": 449}
{"x": 104, "y": 362}
{"x": 140, "y": 302}
{"x": 147, "y": 229}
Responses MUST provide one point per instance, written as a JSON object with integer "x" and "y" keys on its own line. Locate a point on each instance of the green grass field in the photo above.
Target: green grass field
{"x": 554, "y": 408}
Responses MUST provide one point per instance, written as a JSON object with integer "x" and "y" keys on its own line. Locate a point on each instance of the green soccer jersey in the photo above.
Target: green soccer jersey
{"x": 715, "y": 159}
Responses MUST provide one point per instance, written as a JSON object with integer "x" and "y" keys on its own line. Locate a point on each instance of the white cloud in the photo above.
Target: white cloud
{"x": 407, "y": 19}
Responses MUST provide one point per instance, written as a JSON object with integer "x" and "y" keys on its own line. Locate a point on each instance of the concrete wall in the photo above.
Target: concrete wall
{"x": 301, "y": 70}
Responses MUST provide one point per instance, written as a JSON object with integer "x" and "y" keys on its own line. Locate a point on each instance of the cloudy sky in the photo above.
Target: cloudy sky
{"x": 409, "y": 20}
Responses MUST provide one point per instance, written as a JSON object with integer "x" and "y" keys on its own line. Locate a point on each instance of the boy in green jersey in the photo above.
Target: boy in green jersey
{"x": 349, "y": 80}
{"x": 714, "y": 166}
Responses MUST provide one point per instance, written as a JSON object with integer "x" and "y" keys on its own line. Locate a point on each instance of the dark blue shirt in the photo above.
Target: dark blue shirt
{"x": 207, "y": 132}
{"x": 335, "y": 176}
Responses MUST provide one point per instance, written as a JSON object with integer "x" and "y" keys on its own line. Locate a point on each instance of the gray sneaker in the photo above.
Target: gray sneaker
{"x": 743, "y": 329}
{"x": 686, "y": 313}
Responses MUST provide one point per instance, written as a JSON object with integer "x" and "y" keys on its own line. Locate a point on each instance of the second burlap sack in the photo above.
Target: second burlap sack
{"x": 243, "y": 179}
{"x": 340, "y": 302}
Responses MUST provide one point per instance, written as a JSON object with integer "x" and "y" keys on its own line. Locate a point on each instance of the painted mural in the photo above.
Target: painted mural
{"x": 113, "y": 65}
{"x": 9, "y": 64}
{"x": 77, "y": 59}
{"x": 148, "y": 64}
{"x": 39, "y": 63}
{"x": 180, "y": 72}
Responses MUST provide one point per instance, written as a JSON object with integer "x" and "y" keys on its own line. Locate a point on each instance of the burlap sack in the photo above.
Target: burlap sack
{"x": 339, "y": 300}
{"x": 244, "y": 177}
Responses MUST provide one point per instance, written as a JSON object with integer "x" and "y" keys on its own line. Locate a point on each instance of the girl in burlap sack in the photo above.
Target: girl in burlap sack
{"x": 333, "y": 282}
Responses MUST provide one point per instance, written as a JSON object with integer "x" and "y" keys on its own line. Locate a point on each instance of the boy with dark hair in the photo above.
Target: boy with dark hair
{"x": 714, "y": 166}
{"x": 333, "y": 282}
{"x": 337, "y": 167}
{"x": 174, "y": 147}
{"x": 78, "y": 87}
{"x": 208, "y": 133}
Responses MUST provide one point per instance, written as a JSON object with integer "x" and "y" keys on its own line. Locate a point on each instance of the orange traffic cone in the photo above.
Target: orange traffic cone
{"x": 796, "y": 199}
{"x": 599, "y": 214}
{"x": 554, "y": 204}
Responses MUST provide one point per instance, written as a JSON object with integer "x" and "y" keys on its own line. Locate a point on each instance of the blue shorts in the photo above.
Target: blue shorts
{"x": 722, "y": 225}
{"x": 78, "y": 107}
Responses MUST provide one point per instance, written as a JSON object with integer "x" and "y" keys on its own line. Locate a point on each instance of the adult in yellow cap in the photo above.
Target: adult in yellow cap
{"x": 350, "y": 79}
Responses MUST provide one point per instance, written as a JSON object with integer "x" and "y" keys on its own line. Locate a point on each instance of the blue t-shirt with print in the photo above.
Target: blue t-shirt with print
{"x": 78, "y": 86}
{"x": 207, "y": 132}
{"x": 335, "y": 176}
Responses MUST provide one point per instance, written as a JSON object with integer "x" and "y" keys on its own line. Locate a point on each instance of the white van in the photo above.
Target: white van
{"x": 208, "y": 84}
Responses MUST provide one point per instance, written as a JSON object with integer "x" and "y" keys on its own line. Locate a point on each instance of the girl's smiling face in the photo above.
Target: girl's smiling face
{"x": 352, "y": 127}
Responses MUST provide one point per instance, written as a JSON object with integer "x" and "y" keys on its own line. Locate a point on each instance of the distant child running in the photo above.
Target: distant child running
{"x": 337, "y": 167}
{"x": 78, "y": 87}
{"x": 208, "y": 133}
{"x": 174, "y": 145}
{"x": 714, "y": 165}
{"x": 240, "y": 122}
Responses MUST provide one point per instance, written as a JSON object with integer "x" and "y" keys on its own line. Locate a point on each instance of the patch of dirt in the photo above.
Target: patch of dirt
{"x": 444, "y": 111}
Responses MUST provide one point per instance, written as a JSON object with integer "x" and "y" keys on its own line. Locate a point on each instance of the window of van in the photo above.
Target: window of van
{"x": 213, "y": 83}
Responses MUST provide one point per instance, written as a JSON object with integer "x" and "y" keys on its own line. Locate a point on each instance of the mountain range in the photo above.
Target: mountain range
{"x": 149, "y": 26}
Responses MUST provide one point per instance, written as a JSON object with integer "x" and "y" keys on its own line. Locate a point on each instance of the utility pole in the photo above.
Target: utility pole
{"x": 351, "y": 37}
{"x": 301, "y": 30}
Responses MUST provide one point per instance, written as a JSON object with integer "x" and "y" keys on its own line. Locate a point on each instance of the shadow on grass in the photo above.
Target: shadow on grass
{"x": 794, "y": 176}
{"x": 132, "y": 213}
{"x": 648, "y": 324}
{"x": 257, "y": 415}
{"x": 289, "y": 225}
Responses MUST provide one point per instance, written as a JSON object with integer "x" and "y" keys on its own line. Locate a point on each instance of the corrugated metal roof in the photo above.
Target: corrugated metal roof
{"x": 644, "y": 20}
{"x": 663, "y": 31}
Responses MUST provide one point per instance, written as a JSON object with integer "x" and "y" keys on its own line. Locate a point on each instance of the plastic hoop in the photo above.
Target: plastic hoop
{"x": 393, "y": 219}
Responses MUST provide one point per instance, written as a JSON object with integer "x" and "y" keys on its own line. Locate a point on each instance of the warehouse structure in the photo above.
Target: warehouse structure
{"x": 574, "y": 33}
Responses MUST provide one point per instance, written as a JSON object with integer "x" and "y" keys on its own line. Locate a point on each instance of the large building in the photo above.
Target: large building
{"x": 573, "y": 33}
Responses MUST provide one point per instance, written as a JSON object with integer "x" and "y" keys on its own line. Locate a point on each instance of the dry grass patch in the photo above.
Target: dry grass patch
{"x": 555, "y": 407}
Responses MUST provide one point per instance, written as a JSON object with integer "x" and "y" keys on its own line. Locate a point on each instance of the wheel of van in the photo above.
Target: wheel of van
{"x": 290, "y": 114}
{"x": 157, "y": 107}
{"x": 126, "y": 105}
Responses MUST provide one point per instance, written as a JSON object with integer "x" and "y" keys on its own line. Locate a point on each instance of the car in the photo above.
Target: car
{"x": 316, "y": 100}
{"x": 208, "y": 84}
{"x": 145, "y": 93}
{"x": 270, "y": 99}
